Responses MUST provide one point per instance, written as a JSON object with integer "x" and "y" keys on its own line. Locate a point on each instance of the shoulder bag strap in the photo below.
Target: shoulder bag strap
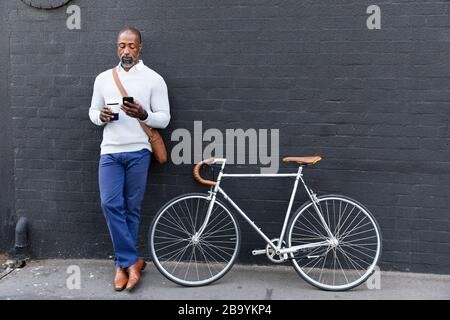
{"x": 124, "y": 93}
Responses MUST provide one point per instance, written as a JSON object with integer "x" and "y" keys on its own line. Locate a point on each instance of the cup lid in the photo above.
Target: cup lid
{"x": 112, "y": 101}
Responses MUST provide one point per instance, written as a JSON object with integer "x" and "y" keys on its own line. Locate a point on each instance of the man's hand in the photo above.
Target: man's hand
{"x": 133, "y": 110}
{"x": 106, "y": 115}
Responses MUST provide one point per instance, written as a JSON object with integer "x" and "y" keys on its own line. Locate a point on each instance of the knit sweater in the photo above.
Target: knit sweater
{"x": 148, "y": 89}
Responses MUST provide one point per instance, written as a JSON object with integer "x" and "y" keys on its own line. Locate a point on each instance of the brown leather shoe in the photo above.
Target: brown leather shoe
{"x": 134, "y": 273}
{"x": 121, "y": 279}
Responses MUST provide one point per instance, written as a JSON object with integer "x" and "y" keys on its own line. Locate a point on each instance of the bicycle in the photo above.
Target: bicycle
{"x": 333, "y": 241}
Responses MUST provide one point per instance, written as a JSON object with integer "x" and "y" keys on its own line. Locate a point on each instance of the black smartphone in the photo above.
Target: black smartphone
{"x": 129, "y": 99}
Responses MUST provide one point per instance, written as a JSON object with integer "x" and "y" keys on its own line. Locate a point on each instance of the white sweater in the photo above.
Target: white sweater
{"x": 148, "y": 89}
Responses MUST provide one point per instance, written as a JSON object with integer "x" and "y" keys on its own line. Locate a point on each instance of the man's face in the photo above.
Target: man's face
{"x": 128, "y": 49}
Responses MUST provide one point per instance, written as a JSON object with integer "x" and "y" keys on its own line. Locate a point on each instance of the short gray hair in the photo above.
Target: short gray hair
{"x": 132, "y": 30}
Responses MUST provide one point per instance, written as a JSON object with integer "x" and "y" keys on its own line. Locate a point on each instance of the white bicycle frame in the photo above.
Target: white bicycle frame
{"x": 279, "y": 250}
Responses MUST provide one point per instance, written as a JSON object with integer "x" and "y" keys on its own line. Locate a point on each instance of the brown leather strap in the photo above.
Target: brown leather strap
{"x": 197, "y": 175}
{"x": 119, "y": 85}
{"x": 124, "y": 93}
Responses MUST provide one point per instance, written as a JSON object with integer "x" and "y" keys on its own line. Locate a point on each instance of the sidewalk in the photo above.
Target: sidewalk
{"x": 46, "y": 279}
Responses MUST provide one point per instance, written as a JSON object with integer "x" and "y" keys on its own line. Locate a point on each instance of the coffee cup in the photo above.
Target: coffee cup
{"x": 115, "y": 108}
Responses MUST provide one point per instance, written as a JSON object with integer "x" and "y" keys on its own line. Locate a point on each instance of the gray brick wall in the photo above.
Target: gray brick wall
{"x": 6, "y": 152}
{"x": 374, "y": 103}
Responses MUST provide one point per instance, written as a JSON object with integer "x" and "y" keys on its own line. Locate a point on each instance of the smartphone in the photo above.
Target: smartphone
{"x": 129, "y": 99}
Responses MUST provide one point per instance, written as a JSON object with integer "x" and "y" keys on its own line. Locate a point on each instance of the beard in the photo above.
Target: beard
{"x": 127, "y": 62}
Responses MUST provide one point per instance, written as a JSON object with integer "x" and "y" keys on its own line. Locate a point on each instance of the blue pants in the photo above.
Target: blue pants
{"x": 122, "y": 181}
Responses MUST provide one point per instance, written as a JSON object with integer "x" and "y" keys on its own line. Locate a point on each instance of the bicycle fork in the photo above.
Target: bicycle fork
{"x": 212, "y": 198}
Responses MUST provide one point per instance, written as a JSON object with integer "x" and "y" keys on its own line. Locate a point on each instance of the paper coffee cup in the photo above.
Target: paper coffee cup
{"x": 115, "y": 108}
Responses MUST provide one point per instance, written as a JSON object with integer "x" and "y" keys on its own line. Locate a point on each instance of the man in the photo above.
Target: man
{"x": 125, "y": 150}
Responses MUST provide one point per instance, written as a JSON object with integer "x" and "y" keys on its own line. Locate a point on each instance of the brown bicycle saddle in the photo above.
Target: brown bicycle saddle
{"x": 303, "y": 160}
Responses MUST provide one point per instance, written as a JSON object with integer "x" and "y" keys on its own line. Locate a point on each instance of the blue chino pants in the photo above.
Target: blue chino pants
{"x": 122, "y": 181}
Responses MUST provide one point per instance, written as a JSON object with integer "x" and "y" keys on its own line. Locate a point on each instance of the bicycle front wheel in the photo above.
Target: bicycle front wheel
{"x": 349, "y": 257}
{"x": 185, "y": 259}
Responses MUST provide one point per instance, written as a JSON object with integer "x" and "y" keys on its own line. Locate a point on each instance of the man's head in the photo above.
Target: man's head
{"x": 129, "y": 46}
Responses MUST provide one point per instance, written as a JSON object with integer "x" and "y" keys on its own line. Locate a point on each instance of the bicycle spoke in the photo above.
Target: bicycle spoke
{"x": 345, "y": 231}
{"x": 220, "y": 248}
{"x": 352, "y": 261}
{"x": 309, "y": 230}
{"x": 169, "y": 234}
{"x": 216, "y": 262}
{"x": 190, "y": 260}
{"x": 312, "y": 224}
{"x": 328, "y": 217}
{"x": 206, "y": 234}
{"x": 360, "y": 239}
{"x": 334, "y": 266}
{"x": 341, "y": 213}
{"x": 206, "y": 260}
{"x": 342, "y": 269}
{"x": 313, "y": 215}
{"x": 363, "y": 253}
{"x": 167, "y": 226}
{"x": 312, "y": 268}
{"x": 191, "y": 220}
{"x": 217, "y": 231}
{"x": 362, "y": 246}
{"x": 222, "y": 235}
{"x": 174, "y": 253}
{"x": 356, "y": 228}
{"x": 348, "y": 216}
{"x": 323, "y": 265}
{"x": 177, "y": 259}
{"x": 214, "y": 216}
{"x": 179, "y": 222}
{"x": 348, "y": 260}
{"x": 172, "y": 244}
{"x": 345, "y": 220}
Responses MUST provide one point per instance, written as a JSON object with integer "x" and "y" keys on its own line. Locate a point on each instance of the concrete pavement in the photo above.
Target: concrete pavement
{"x": 54, "y": 279}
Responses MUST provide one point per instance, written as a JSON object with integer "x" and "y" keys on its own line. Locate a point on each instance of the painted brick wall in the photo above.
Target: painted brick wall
{"x": 6, "y": 151}
{"x": 374, "y": 103}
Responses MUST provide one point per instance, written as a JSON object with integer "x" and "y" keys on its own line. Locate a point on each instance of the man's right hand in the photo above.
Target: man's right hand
{"x": 106, "y": 115}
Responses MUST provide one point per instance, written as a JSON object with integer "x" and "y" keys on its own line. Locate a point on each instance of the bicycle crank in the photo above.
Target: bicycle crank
{"x": 272, "y": 255}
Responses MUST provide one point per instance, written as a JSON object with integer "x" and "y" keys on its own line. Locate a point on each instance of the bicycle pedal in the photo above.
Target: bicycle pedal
{"x": 258, "y": 252}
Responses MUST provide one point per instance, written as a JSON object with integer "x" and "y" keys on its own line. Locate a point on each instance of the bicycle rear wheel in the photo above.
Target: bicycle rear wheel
{"x": 342, "y": 264}
{"x": 182, "y": 258}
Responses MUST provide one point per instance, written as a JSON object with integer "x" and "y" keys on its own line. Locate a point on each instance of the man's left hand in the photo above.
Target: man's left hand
{"x": 134, "y": 110}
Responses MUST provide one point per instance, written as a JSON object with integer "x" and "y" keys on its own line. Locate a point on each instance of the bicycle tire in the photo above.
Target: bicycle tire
{"x": 214, "y": 253}
{"x": 359, "y": 257}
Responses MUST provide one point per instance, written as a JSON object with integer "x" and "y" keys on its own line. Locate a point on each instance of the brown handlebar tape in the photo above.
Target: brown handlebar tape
{"x": 197, "y": 175}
